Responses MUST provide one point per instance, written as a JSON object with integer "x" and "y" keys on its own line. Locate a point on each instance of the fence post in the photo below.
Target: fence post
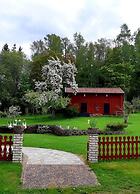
{"x": 17, "y": 147}
{"x": 92, "y": 146}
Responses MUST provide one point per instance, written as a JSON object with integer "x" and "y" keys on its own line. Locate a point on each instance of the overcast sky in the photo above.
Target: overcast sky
{"x": 23, "y": 21}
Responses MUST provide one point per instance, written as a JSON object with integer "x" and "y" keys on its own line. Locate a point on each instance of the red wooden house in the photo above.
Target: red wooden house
{"x": 98, "y": 101}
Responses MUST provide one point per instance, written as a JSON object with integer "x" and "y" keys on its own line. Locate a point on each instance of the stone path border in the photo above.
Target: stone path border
{"x": 46, "y": 168}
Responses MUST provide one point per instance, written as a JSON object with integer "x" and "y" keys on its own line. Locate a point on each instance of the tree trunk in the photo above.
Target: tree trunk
{"x": 53, "y": 113}
{"x": 26, "y": 110}
{"x": 125, "y": 119}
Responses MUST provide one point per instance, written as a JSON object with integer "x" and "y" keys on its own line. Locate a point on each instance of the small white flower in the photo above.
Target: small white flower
{"x": 25, "y": 126}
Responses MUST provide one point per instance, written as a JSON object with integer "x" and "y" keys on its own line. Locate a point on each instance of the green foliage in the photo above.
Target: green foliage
{"x": 115, "y": 126}
{"x": 103, "y": 63}
{"x": 60, "y": 103}
{"x": 71, "y": 111}
{"x": 32, "y": 98}
{"x": 12, "y": 64}
{"x": 128, "y": 107}
{"x": 92, "y": 123}
{"x": 99, "y": 64}
{"x": 38, "y": 61}
{"x": 118, "y": 75}
{"x": 125, "y": 35}
{"x": 3, "y": 114}
{"x": 54, "y": 43}
{"x": 136, "y": 104}
{"x": 50, "y": 104}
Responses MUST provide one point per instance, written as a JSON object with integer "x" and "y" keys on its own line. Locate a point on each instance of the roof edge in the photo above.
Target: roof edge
{"x": 117, "y": 90}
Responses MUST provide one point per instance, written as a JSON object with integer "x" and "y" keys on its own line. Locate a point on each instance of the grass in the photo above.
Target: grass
{"x": 81, "y": 122}
{"x": 9, "y": 177}
{"x": 118, "y": 176}
{"x": 74, "y": 144}
{"x": 115, "y": 177}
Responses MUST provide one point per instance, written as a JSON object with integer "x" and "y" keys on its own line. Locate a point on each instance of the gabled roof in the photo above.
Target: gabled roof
{"x": 96, "y": 90}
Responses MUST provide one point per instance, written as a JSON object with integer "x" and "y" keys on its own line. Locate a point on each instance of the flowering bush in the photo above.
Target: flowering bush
{"x": 14, "y": 111}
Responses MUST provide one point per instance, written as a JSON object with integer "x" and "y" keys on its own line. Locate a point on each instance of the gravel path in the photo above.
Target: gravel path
{"x": 45, "y": 168}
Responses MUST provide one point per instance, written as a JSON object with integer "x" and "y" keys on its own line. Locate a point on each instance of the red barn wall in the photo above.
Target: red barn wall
{"x": 95, "y": 102}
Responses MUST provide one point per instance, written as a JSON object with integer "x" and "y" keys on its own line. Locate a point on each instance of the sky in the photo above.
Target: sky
{"x": 24, "y": 21}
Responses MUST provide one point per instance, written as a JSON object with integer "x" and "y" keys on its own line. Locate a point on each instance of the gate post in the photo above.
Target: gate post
{"x": 92, "y": 146}
{"x": 17, "y": 147}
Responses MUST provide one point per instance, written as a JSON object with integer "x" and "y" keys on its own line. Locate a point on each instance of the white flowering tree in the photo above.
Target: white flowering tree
{"x": 14, "y": 111}
{"x": 49, "y": 92}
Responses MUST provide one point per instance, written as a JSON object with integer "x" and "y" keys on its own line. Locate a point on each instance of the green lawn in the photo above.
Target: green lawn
{"x": 80, "y": 122}
{"x": 115, "y": 177}
{"x": 118, "y": 176}
{"x": 74, "y": 144}
{"x": 10, "y": 177}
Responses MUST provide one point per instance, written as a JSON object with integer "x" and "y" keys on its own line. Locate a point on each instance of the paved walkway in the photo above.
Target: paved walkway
{"x": 44, "y": 168}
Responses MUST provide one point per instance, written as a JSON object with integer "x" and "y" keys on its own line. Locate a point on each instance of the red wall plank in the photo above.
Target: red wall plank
{"x": 95, "y": 102}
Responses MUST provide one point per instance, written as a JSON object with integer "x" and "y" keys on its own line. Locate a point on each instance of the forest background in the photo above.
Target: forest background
{"x": 104, "y": 63}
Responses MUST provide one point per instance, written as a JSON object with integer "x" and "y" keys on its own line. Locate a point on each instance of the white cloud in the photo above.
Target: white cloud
{"x": 24, "y": 21}
{"x": 130, "y": 14}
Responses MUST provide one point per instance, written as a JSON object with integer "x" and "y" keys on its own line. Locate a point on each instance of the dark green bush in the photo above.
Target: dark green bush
{"x": 71, "y": 111}
{"x": 115, "y": 126}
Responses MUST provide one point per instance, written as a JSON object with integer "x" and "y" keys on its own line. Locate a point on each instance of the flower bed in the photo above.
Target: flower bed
{"x": 57, "y": 130}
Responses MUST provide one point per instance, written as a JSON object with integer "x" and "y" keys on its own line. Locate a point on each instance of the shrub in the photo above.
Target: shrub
{"x": 31, "y": 129}
{"x": 115, "y": 126}
{"x": 3, "y": 114}
{"x": 71, "y": 111}
{"x": 92, "y": 123}
{"x": 136, "y": 104}
{"x": 5, "y": 129}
